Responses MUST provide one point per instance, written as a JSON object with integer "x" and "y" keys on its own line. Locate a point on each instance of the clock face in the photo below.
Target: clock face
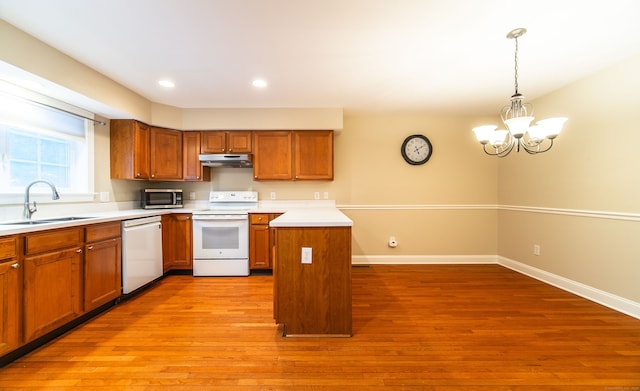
{"x": 416, "y": 149}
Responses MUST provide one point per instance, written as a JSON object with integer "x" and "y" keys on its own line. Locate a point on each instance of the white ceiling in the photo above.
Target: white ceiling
{"x": 439, "y": 56}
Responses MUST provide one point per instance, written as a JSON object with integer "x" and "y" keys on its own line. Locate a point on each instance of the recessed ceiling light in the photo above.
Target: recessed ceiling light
{"x": 259, "y": 83}
{"x": 167, "y": 83}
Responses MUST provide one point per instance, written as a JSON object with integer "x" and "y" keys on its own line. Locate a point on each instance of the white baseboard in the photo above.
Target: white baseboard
{"x": 421, "y": 259}
{"x": 610, "y": 300}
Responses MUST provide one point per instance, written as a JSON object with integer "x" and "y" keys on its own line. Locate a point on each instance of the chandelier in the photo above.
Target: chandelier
{"x": 517, "y": 117}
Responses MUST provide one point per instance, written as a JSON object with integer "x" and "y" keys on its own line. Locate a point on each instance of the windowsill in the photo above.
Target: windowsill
{"x": 45, "y": 198}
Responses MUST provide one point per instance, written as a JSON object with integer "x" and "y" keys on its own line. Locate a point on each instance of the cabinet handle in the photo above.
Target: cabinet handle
{"x": 90, "y": 248}
{"x": 15, "y": 265}
{"x": 79, "y": 250}
{"x": 137, "y": 174}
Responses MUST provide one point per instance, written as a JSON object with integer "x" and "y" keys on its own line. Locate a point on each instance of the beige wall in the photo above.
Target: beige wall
{"x": 448, "y": 206}
{"x": 592, "y": 175}
{"x": 31, "y": 55}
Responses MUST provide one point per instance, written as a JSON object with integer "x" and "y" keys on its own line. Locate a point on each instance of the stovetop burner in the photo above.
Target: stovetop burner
{"x": 230, "y": 202}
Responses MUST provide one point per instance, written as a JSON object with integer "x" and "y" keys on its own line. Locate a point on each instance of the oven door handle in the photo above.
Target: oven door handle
{"x": 221, "y": 217}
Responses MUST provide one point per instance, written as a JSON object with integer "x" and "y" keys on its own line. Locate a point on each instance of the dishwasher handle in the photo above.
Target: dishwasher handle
{"x": 140, "y": 221}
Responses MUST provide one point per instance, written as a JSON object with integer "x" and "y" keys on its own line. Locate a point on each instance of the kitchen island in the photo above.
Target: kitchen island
{"x": 312, "y": 272}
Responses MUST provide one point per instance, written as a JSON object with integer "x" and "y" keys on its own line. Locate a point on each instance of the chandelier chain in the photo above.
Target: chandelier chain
{"x": 516, "y": 66}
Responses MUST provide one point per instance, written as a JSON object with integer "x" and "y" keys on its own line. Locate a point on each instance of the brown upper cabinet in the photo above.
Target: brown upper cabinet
{"x": 313, "y": 154}
{"x": 166, "y": 154}
{"x": 139, "y": 151}
{"x": 192, "y": 169}
{"x": 226, "y": 142}
{"x": 129, "y": 149}
{"x": 293, "y": 155}
{"x": 272, "y": 155}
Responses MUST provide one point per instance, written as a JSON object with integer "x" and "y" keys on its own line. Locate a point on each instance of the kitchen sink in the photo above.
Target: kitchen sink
{"x": 60, "y": 219}
{"x": 32, "y": 222}
{"x": 47, "y": 221}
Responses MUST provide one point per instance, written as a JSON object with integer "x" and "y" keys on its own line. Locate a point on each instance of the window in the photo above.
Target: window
{"x": 38, "y": 142}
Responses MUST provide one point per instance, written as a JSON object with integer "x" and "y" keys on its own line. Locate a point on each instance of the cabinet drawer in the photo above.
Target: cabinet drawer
{"x": 102, "y": 231}
{"x": 259, "y": 218}
{"x": 53, "y": 240}
{"x": 8, "y": 247}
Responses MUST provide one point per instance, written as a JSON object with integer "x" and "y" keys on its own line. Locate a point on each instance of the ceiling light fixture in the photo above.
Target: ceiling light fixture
{"x": 517, "y": 117}
{"x": 167, "y": 83}
{"x": 259, "y": 83}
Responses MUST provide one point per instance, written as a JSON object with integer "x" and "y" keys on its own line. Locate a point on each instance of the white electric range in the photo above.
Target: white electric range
{"x": 221, "y": 234}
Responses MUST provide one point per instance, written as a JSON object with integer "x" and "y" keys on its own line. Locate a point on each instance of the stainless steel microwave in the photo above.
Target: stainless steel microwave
{"x": 161, "y": 198}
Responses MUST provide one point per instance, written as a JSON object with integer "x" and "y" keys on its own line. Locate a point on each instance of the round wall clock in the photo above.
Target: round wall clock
{"x": 416, "y": 149}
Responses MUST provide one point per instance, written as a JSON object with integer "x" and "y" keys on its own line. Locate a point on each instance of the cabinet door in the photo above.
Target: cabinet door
{"x": 166, "y": 154}
{"x": 182, "y": 241}
{"x": 177, "y": 242}
{"x": 102, "y": 272}
{"x": 192, "y": 168}
{"x": 52, "y": 291}
{"x": 259, "y": 245}
{"x": 313, "y": 154}
{"x": 129, "y": 143}
{"x": 272, "y": 155}
{"x": 10, "y": 295}
{"x": 213, "y": 142}
{"x": 239, "y": 142}
{"x": 141, "y": 155}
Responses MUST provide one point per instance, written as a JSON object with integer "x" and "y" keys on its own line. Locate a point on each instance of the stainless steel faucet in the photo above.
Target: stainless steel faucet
{"x": 28, "y": 211}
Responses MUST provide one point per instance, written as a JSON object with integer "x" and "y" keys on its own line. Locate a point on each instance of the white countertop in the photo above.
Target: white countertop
{"x": 6, "y": 228}
{"x": 304, "y": 213}
{"x": 312, "y": 217}
{"x": 295, "y": 213}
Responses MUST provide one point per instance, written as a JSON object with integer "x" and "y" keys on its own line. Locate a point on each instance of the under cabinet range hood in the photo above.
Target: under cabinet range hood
{"x": 222, "y": 160}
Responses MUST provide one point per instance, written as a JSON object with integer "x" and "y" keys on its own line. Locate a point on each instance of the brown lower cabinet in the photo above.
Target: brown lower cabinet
{"x": 53, "y": 277}
{"x": 313, "y": 299}
{"x": 260, "y": 240}
{"x": 177, "y": 242}
{"x": 102, "y": 264}
{"x": 10, "y": 294}
{"x": 52, "y": 280}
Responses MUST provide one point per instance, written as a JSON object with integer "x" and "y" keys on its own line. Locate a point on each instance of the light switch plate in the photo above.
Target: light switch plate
{"x": 307, "y": 255}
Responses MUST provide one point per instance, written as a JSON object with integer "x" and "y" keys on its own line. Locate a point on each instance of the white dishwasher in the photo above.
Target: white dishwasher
{"x": 141, "y": 252}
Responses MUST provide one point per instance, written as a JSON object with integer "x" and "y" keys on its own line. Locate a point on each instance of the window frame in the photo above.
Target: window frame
{"x": 42, "y": 194}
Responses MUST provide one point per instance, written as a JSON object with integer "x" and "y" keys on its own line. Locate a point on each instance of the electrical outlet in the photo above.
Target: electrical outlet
{"x": 192, "y": 195}
{"x": 326, "y": 195}
{"x": 272, "y": 195}
{"x": 104, "y": 196}
{"x": 316, "y": 195}
{"x": 307, "y": 256}
{"x": 536, "y": 249}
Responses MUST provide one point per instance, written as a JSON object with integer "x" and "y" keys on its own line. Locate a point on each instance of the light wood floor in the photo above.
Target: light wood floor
{"x": 436, "y": 327}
